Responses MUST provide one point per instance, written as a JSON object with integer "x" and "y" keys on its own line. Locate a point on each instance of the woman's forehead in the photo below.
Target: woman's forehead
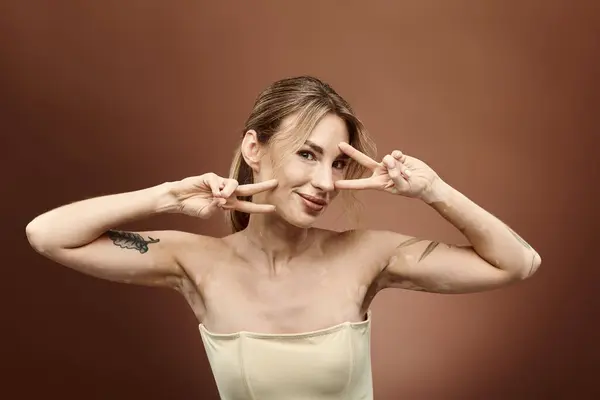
{"x": 329, "y": 128}
{"x": 327, "y": 133}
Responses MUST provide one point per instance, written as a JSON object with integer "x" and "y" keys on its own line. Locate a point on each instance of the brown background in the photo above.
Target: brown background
{"x": 501, "y": 98}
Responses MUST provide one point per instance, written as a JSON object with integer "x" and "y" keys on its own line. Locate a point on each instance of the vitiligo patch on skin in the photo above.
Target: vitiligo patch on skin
{"x": 362, "y": 290}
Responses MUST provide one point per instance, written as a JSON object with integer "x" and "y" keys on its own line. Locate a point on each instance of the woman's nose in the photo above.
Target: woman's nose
{"x": 323, "y": 179}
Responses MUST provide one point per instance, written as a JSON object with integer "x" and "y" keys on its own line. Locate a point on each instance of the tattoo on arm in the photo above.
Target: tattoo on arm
{"x": 428, "y": 250}
{"x": 519, "y": 238}
{"x": 130, "y": 240}
{"x": 527, "y": 246}
{"x": 430, "y": 247}
{"x": 533, "y": 262}
{"x": 409, "y": 242}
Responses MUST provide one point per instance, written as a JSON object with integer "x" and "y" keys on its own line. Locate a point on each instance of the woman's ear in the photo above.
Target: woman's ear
{"x": 252, "y": 150}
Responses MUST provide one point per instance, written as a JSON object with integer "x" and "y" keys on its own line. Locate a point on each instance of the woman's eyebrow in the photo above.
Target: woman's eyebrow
{"x": 318, "y": 149}
{"x": 315, "y": 147}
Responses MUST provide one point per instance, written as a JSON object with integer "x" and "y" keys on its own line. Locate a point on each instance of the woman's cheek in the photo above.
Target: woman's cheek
{"x": 292, "y": 173}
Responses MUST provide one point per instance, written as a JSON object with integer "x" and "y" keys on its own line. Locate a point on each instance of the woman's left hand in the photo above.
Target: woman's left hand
{"x": 397, "y": 173}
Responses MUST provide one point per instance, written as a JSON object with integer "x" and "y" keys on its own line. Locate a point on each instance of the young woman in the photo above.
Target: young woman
{"x": 283, "y": 307}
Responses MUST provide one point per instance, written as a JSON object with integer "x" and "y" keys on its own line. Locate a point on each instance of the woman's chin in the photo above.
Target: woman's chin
{"x": 301, "y": 220}
{"x": 305, "y": 224}
{"x": 308, "y": 220}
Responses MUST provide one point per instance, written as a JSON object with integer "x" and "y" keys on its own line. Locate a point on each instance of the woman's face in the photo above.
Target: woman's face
{"x": 306, "y": 178}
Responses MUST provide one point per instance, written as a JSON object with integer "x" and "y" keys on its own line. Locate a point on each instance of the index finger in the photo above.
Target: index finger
{"x": 253, "y": 208}
{"x": 253, "y": 188}
{"x": 356, "y": 155}
{"x": 357, "y": 184}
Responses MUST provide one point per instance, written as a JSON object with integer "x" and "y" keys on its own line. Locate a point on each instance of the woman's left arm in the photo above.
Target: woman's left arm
{"x": 490, "y": 238}
{"x": 496, "y": 255}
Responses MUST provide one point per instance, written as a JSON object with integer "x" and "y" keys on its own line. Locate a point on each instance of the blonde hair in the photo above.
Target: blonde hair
{"x": 308, "y": 99}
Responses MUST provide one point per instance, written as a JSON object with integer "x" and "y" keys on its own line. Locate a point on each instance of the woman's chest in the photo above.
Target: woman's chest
{"x": 298, "y": 298}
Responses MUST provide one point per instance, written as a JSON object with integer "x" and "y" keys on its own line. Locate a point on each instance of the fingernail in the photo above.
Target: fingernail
{"x": 407, "y": 172}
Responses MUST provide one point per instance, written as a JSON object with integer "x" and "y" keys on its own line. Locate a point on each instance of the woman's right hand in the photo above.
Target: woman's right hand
{"x": 200, "y": 196}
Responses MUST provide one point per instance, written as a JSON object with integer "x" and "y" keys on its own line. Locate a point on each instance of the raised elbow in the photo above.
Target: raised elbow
{"x": 533, "y": 267}
{"x": 536, "y": 263}
{"x": 36, "y": 238}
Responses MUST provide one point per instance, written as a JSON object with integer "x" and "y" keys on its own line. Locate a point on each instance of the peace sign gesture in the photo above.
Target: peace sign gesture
{"x": 200, "y": 196}
{"x": 396, "y": 174}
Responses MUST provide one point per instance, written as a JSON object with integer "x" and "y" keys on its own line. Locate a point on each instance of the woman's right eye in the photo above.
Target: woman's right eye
{"x": 306, "y": 154}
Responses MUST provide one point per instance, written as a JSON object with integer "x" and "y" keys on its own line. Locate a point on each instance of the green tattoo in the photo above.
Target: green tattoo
{"x": 130, "y": 240}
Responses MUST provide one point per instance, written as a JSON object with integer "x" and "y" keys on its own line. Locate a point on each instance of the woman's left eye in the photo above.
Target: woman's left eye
{"x": 341, "y": 164}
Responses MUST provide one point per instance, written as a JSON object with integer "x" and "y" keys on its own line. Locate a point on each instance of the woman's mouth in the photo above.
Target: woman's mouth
{"x": 313, "y": 203}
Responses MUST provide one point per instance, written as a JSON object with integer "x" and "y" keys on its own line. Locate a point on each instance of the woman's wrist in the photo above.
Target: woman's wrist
{"x": 164, "y": 198}
{"x": 437, "y": 192}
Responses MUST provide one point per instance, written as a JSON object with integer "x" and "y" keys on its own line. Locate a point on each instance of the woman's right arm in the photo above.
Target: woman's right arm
{"x": 83, "y": 236}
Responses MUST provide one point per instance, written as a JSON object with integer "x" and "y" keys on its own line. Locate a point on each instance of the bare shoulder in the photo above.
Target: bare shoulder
{"x": 195, "y": 251}
{"x": 369, "y": 250}
{"x": 368, "y": 242}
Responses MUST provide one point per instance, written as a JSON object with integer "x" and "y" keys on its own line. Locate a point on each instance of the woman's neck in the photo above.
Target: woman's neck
{"x": 278, "y": 239}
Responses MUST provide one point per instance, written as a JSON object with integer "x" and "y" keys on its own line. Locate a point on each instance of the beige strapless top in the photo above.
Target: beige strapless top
{"x": 331, "y": 363}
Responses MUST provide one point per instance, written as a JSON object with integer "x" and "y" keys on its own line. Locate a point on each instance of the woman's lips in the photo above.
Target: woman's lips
{"x": 313, "y": 203}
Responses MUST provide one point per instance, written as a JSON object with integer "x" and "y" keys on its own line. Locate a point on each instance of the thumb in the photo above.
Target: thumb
{"x": 394, "y": 170}
{"x": 209, "y": 210}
